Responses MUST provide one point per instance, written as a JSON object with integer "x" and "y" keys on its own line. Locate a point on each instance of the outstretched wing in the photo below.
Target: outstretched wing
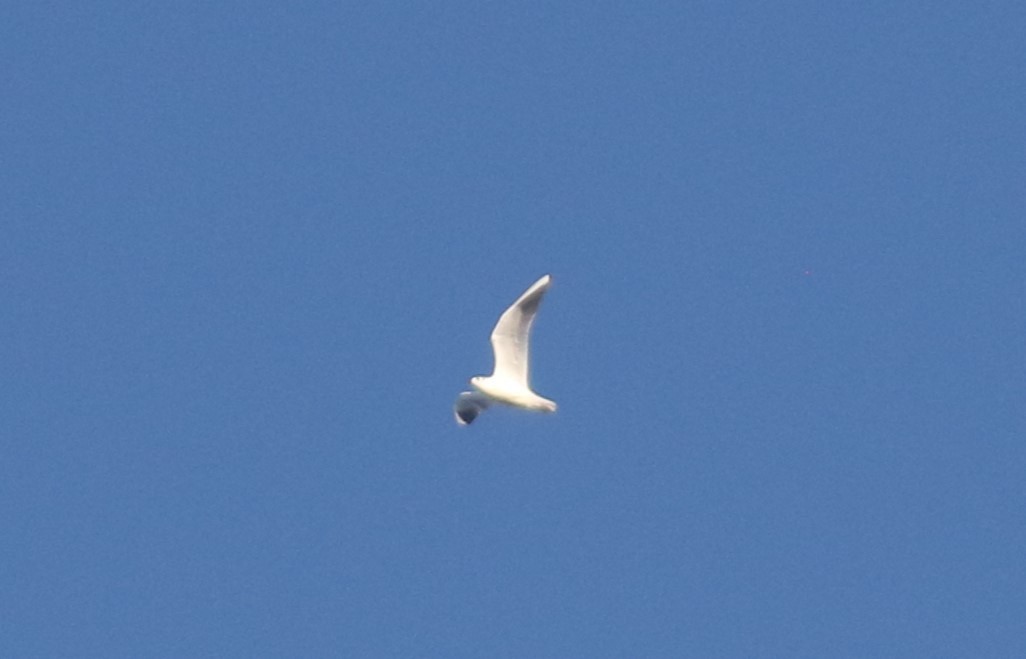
{"x": 512, "y": 334}
{"x": 468, "y": 405}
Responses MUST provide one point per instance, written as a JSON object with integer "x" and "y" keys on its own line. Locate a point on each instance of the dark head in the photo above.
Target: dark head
{"x": 466, "y": 415}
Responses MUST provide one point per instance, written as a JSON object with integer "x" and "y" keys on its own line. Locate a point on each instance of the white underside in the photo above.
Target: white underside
{"x": 515, "y": 394}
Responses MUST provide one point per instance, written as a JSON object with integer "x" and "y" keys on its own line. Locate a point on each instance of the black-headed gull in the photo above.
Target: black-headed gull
{"x": 509, "y": 383}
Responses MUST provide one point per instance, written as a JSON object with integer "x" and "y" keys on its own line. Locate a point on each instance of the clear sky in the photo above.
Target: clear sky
{"x": 250, "y": 253}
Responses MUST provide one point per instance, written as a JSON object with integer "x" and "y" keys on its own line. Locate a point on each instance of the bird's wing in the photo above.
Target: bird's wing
{"x": 468, "y": 405}
{"x": 512, "y": 334}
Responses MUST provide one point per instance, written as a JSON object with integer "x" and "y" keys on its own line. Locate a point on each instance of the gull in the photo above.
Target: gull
{"x": 508, "y": 384}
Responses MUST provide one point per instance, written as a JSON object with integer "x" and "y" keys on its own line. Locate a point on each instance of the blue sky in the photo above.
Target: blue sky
{"x": 252, "y": 251}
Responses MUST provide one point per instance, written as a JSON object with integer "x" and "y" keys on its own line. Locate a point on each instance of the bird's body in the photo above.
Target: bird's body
{"x": 509, "y": 382}
{"x": 512, "y": 393}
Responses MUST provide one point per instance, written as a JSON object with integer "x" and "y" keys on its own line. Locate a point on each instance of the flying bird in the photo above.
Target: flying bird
{"x": 509, "y": 382}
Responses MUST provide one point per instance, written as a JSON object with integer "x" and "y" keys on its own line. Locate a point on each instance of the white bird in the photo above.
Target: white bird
{"x": 509, "y": 383}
